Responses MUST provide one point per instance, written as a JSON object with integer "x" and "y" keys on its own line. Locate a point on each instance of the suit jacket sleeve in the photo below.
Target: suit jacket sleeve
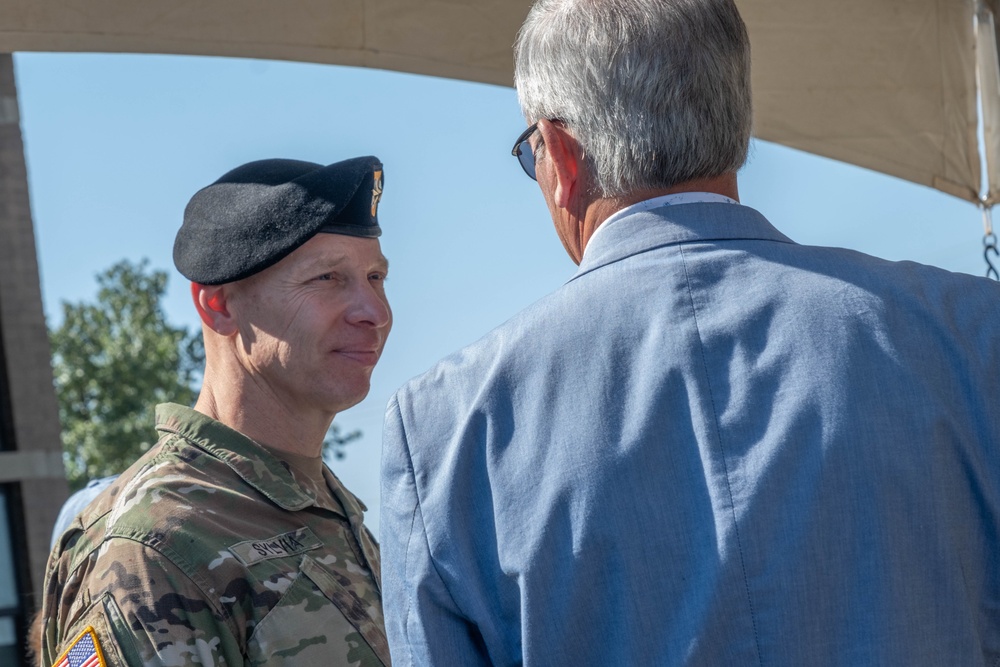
{"x": 423, "y": 623}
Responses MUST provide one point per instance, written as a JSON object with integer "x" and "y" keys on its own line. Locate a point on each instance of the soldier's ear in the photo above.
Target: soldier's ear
{"x": 212, "y": 304}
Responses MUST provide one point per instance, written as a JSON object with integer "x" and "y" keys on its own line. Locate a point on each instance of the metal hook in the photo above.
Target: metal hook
{"x": 990, "y": 244}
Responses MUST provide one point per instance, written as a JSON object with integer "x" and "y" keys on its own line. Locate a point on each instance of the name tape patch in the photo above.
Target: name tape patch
{"x": 279, "y": 546}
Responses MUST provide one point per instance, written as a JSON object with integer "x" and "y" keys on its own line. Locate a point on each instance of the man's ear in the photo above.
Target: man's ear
{"x": 565, "y": 156}
{"x": 213, "y": 307}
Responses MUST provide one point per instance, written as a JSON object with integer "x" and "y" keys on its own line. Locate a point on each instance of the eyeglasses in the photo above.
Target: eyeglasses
{"x": 522, "y": 151}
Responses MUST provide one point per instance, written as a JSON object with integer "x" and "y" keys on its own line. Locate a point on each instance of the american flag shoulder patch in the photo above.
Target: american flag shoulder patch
{"x": 85, "y": 651}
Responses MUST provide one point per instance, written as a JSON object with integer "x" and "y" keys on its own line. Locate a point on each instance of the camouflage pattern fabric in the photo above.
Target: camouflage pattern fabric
{"x": 209, "y": 551}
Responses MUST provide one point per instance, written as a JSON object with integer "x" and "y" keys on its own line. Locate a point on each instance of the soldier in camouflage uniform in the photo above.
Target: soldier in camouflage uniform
{"x": 229, "y": 542}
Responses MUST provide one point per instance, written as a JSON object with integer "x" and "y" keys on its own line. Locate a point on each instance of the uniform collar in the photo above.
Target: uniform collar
{"x": 635, "y": 232}
{"x": 257, "y": 466}
{"x": 264, "y": 472}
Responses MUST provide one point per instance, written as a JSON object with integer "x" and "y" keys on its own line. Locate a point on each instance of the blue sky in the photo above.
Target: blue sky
{"x": 117, "y": 144}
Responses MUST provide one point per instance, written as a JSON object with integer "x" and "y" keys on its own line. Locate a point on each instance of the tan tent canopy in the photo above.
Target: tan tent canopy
{"x": 886, "y": 84}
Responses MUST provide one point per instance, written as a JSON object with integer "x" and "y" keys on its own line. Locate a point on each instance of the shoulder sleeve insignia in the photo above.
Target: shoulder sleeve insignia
{"x": 85, "y": 651}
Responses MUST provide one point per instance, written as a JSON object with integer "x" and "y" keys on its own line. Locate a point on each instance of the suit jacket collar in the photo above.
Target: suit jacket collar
{"x": 672, "y": 225}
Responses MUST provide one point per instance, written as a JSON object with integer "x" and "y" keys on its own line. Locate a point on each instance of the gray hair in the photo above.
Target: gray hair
{"x": 656, "y": 91}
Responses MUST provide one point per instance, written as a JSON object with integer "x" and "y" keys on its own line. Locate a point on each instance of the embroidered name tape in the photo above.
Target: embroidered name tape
{"x": 85, "y": 651}
{"x": 279, "y": 546}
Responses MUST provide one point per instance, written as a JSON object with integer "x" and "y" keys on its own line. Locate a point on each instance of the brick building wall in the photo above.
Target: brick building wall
{"x": 31, "y": 472}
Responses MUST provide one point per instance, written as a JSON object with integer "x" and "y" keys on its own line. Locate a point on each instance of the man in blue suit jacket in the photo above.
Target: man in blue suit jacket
{"x": 712, "y": 446}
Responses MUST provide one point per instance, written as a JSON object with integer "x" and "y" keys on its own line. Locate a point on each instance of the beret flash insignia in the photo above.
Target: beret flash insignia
{"x": 376, "y": 191}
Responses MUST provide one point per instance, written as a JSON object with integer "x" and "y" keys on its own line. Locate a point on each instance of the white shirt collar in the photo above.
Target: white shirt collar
{"x": 664, "y": 200}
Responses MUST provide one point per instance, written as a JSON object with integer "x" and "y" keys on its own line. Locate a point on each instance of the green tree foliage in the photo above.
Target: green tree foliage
{"x": 335, "y": 443}
{"x": 114, "y": 360}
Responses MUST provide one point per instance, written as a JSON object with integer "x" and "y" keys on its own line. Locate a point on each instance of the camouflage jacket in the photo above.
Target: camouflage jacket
{"x": 209, "y": 551}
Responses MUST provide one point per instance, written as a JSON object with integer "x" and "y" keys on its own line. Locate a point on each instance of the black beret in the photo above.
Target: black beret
{"x": 257, "y": 214}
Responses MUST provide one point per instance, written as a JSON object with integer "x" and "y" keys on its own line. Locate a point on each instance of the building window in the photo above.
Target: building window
{"x": 11, "y": 611}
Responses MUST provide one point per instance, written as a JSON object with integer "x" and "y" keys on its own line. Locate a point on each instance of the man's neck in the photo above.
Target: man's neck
{"x": 248, "y": 408}
{"x": 724, "y": 185}
{"x": 602, "y": 209}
